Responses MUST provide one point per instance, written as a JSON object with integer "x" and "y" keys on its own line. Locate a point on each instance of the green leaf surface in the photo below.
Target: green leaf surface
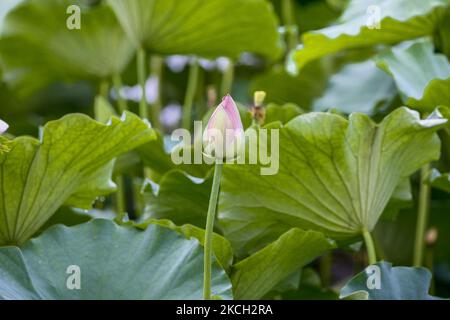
{"x": 440, "y": 180}
{"x": 38, "y": 48}
{"x": 395, "y": 283}
{"x": 399, "y": 20}
{"x": 159, "y": 160}
{"x": 38, "y": 176}
{"x": 282, "y": 113}
{"x": 221, "y": 246}
{"x": 96, "y": 184}
{"x": 179, "y": 198}
{"x": 115, "y": 262}
{"x": 358, "y": 87}
{"x": 209, "y": 28}
{"x": 422, "y": 76}
{"x": 256, "y": 275}
{"x": 335, "y": 176}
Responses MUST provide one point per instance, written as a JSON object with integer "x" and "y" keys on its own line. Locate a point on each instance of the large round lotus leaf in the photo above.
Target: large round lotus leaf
{"x": 209, "y": 28}
{"x": 114, "y": 262}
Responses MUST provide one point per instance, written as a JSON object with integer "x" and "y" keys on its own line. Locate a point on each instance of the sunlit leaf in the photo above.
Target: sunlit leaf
{"x": 38, "y": 176}
{"x": 282, "y": 113}
{"x": 335, "y": 176}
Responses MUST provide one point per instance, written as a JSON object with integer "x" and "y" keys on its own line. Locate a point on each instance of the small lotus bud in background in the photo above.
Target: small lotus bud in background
{"x": 258, "y": 112}
{"x": 431, "y": 237}
{"x": 223, "y": 137}
{"x": 259, "y": 97}
{"x": 3, "y": 126}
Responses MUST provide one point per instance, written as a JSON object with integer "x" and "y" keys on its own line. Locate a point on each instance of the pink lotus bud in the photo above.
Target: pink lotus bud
{"x": 223, "y": 137}
{"x": 3, "y": 126}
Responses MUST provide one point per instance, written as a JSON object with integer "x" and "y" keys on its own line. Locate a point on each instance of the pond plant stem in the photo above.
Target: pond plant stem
{"x": 370, "y": 247}
{"x": 120, "y": 199}
{"x": 120, "y": 193}
{"x": 121, "y": 102}
{"x": 289, "y": 24}
{"x": 190, "y": 93}
{"x": 142, "y": 75}
{"x": 104, "y": 89}
{"x": 156, "y": 71}
{"x": 227, "y": 79}
{"x": 422, "y": 217}
{"x": 209, "y": 231}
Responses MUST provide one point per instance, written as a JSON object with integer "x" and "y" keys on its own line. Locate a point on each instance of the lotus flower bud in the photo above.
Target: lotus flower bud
{"x": 223, "y": 137}
{"x": 3, "y": 126}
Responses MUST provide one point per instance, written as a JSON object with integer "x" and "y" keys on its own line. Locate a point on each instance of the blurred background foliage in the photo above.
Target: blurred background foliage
{"x": 48, "y": 71}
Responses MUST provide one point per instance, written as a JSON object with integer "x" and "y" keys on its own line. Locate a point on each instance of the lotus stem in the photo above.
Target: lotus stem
{"x": 142, "y": 77}
{"x": 325, "y": 264}
{"x": 157, "y": 63}
{"x": 370, "y": 247}
{"x": 190, "y": 94}
{"x": 422, "y": 216}
{"x": 121, "y": 102}
{"x": 209, "y": 231}
{"x": 104, "y": 88}
{"x": 120, "y": 199}
{"x": 289, "y": 24}
{"x": 227, "y": 79}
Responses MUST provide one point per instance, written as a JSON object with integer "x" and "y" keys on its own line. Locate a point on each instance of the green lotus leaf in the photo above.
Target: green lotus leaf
{"x": 381, "y": 281}
{"x": 38, "y": 48}
{"x": 179, "y": 198}
{"x": 98, "y": 183}
{"x": 399, "y": 20}
{"x": 335, "y": 175}
{"x": 112, "y": 262}
{"x": 440, "y": 180}
{"x": 373, "y": 89}
{"x": 282, "y": 113}
{"x": 256, "y": 275}
{"x": 209, "y": 28}
{"x": 221, "y": 246}
{"x": 38, "y": 176}
{"x": 158, "y": 159}
{"x": 422, "y": 76}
